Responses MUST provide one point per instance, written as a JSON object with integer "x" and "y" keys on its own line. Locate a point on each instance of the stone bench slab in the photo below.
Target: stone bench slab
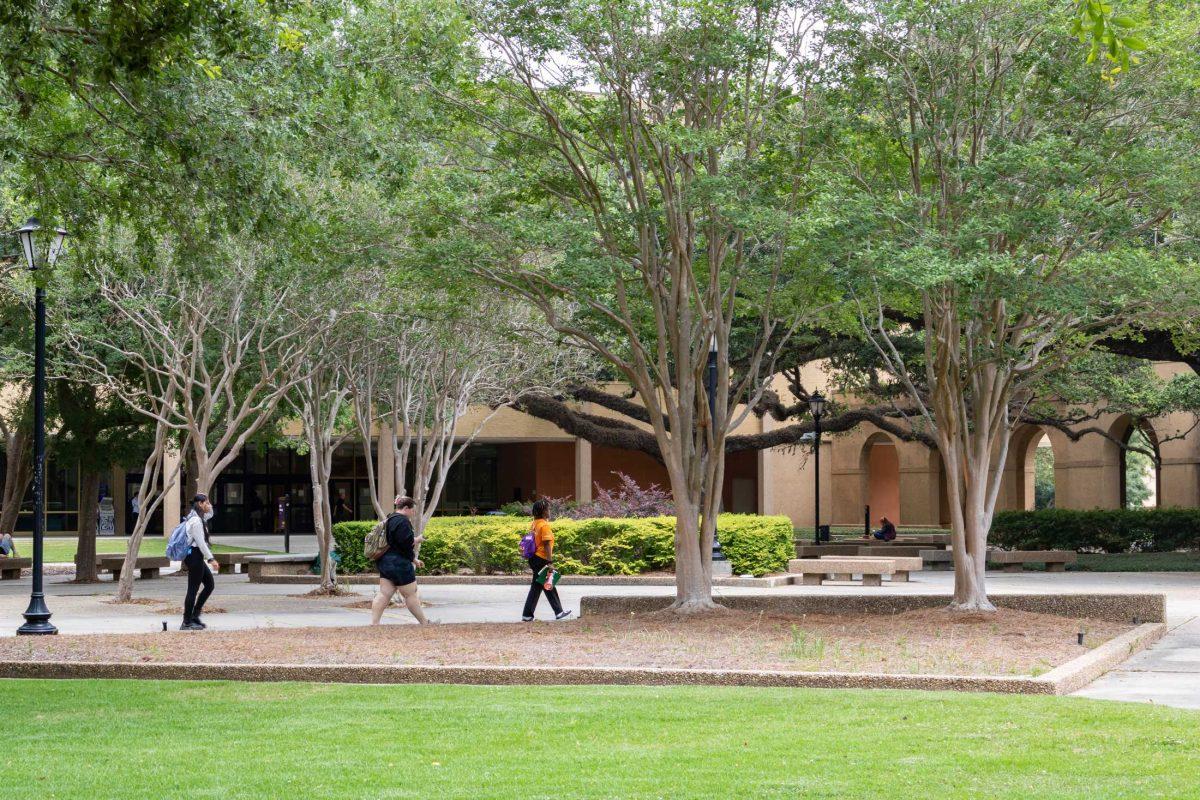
{"x": 814, "y": 571}
{"x": 1015, "y": 560}
{"x": 274, "y": 564}
{"x": 938, "y": 559}
{"x": 10, "y": 568}
{"x": 909, "y": 563}
{"x": 146, "y": 566}
{"x": 818, "y": 550}
{"x": 889, "y": 551}
{"x": 227, "y": 562}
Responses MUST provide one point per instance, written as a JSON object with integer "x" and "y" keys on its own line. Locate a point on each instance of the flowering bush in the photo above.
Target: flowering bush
{"x": 628, "y": 501}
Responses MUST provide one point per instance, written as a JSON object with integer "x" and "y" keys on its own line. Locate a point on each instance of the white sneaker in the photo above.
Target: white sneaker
{"x": 563, "y": 615}
{"x": 526, "y": 619}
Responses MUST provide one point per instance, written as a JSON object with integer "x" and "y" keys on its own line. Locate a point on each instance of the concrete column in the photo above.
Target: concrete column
{"x": 172, "y": 502}
{"x": 385, "y": 467}
{"x": 583, "y": 471}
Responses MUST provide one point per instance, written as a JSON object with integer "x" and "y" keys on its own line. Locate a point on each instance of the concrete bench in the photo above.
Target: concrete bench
{"x": 815, "y": 571}
{"x": 903, "y": 564}
{"x": 1015, "y": 560}
{"x": 144, "y": 566}
{"x": 929, "y": 540}
{"x": 938, "y": 559}
{"x": 818, "y": 550}
{"x": 227, "y": 562}
{"x": 262, "y": 566}
{"x": 10, "y": 568}
{"x": 888, "y": 551}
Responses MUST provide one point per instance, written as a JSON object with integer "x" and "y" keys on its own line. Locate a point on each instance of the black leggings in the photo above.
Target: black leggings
{"x": 198, "y": 573}
{"x": 536, "y": 589}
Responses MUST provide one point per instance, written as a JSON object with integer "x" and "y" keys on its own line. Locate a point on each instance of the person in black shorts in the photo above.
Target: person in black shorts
{"x": 398, "y": 566}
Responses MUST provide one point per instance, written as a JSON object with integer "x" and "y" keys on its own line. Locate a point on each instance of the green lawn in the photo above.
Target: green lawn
{"x": 129, "y": 739}
{"x": 1187, "y": 561}
{"x": 62, "y": 550}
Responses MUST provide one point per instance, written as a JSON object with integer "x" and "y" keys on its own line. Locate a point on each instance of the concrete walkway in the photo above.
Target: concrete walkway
{"x": 1168, "y": 673}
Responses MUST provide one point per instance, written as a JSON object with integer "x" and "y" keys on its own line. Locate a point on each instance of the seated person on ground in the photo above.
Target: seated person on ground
{"x": 8, "y": 548}
{"x": 887, "y": 531}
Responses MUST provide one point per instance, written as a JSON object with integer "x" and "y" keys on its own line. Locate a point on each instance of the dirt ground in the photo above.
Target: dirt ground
{"x": 925, "y": 641}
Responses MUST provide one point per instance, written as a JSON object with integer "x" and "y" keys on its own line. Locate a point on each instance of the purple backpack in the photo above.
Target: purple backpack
{"x": 527, "y": 546}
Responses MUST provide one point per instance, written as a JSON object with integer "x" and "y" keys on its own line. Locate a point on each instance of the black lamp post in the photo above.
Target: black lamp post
{"x": 816, "y": 406}
{"x": 710, "y": 386}
{"x": 37, "y": 616}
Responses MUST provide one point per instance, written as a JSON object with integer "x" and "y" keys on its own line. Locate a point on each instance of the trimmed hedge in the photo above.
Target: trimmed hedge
{"x": 753, "y": 544}
{"x": 1107, "y": 530}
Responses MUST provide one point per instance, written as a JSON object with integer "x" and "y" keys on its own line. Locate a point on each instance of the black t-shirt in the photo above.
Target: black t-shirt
{"x": 400, "y": 536}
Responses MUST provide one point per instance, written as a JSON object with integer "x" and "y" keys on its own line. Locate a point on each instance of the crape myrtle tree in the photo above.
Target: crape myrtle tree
{"x": 655, "y": 153}
{"x": 320, "y": 400}
{"x": 1013, "y": 200}
{"x": 212, "y": 347}
{"x": 435, "y": 375}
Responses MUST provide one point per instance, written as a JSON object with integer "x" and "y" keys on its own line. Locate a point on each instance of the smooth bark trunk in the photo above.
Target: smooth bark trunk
{"x": 18, "y": 474}
{"x": 85, "y": 546}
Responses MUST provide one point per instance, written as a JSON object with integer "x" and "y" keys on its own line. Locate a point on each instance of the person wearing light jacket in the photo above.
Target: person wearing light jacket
{"x": 198, "y": 560}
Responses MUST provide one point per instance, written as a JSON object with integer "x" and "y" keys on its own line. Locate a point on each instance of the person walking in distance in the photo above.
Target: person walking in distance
{"x": 398, "y": 565}
{"x": 543, "y": 556}
{"x": 198, "y": 560}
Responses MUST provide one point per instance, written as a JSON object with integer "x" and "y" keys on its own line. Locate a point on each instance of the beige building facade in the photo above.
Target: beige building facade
{"x": 865, "y": 474}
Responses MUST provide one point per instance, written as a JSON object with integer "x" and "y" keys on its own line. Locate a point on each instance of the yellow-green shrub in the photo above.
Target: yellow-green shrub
{"x": 753, "y": 544}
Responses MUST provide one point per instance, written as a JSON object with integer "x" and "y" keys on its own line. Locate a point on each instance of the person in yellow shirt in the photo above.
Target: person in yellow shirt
{"x": 543, "y": 556}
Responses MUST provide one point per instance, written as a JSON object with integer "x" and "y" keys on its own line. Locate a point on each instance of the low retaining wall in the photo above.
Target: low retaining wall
{"x": 766, "y": 582}
{"x": 1062, "y": 680}
{"x": 1111, "y": 607}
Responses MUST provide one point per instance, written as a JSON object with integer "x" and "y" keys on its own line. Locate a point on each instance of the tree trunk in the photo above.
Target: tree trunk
{"x": 85, "y": 547}
{"x": 18, "y": 474}
{"x": 693, "y": 569}
{"x": 322, "y": 521}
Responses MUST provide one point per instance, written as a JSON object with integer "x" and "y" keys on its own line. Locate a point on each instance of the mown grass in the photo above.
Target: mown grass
{"x": 58, "y": 550}
{"x": 129, "y": 739}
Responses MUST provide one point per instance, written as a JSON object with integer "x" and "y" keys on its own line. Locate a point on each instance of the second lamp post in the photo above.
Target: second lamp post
{"x": 816, "y": 406}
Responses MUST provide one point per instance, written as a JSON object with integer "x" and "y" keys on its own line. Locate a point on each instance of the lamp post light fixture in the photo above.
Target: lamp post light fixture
{"x": 37, "y": 615}
{"x": 710, "y": 386}
{"x": 816, "y": 407}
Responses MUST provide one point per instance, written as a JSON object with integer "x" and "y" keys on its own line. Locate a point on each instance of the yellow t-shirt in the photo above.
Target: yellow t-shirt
{"x": 542, "y": 534}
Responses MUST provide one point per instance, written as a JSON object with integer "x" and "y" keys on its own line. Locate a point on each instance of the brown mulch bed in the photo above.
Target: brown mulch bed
{"x": 924, "y": 641}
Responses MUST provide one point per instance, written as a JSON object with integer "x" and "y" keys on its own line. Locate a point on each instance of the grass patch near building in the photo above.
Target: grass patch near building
{"x": 61, "y": 550}
{"x": 129, "y": 739}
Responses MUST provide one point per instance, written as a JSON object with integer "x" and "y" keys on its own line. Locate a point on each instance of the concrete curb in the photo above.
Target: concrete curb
{"x": 505, "y": 676}
{"x": 1111, "y": 607}
{"x": 1079, "y": 672}
{"x": 767, "y": 582}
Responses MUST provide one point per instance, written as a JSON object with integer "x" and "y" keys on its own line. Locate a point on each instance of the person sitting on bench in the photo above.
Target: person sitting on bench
{"x": 8, "y": 548}
{"x": 886, "y": 532}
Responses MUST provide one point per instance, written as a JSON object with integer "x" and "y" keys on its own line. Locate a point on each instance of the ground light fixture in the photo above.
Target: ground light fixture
{"x": 37, "y": 615}
{"x": 816, "y": 407}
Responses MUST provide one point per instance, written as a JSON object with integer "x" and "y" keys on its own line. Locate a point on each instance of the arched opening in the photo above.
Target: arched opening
{"x": 881, "y": 468}
{"x": 1031, "y": 469}
{"x": 1043, "y": 473}
{"x": 1138, "y": 471}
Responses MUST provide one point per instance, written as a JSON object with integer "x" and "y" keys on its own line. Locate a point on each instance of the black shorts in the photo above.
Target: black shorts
{"x": 397, "y": 569}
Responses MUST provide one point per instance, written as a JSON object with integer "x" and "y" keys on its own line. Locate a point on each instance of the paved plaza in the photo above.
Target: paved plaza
{"x": 1168, "y": 673}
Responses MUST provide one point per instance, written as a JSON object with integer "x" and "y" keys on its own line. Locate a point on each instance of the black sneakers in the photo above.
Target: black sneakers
{"x": 192, "y": 625}
{"x": 563, "y": 614}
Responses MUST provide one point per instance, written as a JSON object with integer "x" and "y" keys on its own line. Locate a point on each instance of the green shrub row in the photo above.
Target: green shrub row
{"x": 753, "y": 544}
{"x": 1107, "y": 530}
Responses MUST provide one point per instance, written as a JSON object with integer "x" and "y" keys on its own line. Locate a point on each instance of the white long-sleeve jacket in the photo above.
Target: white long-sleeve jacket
{"x": 195, "y": 531}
